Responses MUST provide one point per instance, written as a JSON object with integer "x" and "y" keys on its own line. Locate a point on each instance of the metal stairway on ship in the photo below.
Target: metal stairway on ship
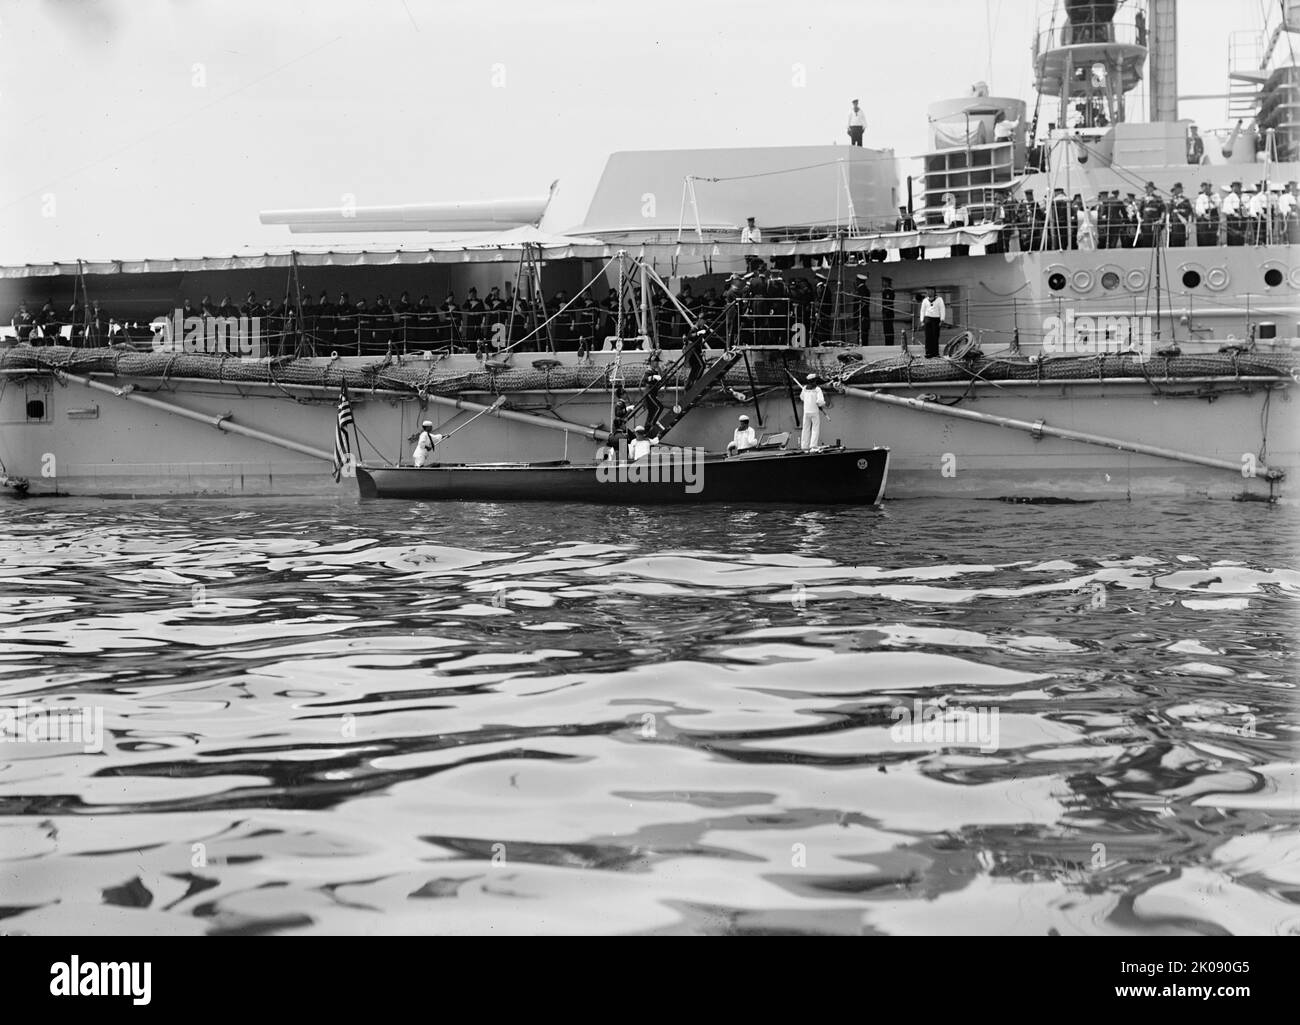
{"x": 695, "y": 392}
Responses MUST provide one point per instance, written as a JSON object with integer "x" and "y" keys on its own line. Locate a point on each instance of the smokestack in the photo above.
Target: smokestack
{"x": 1162, "y": 65}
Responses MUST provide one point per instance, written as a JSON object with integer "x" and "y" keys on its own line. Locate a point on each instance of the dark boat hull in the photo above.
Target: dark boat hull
{"x": 835, "y": 476}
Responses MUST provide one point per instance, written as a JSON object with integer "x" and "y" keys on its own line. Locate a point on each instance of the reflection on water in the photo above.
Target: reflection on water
{"x": 472, "y": 718}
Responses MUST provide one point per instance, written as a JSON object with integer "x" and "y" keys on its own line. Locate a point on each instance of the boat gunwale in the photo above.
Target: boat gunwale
{"x": 709, "y": 458}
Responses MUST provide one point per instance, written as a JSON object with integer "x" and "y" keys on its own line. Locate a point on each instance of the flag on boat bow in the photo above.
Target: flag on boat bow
{"x": 342, "y": 449}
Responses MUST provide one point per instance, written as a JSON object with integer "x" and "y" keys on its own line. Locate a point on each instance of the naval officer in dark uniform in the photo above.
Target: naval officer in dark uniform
{"x": 24, "y": 324}
{"x": 887, "y": 308}
{"x": 863, "y": 291}
{"x": 475, "y": 312}
{"x": 1151, "y": 214}
{"x": 449, "y": 321}
{"x": 1181, "y": 216}
{"x": 905, "y": 222}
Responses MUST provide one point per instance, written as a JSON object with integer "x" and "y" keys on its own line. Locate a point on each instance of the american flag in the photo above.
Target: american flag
{"x": 342, "y": 450}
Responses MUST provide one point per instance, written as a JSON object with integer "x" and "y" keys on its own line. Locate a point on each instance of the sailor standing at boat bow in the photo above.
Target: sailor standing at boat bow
{"x": 424, "y": 445}
{"x": 814, "y": 401}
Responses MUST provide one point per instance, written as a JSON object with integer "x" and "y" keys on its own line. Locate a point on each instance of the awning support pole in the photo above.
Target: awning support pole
{"x": 223, "y": 423}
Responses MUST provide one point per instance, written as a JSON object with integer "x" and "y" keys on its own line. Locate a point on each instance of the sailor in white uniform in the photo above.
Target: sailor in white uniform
{"x": 813, "y": 404}
{"x": 424, "y": 445}
{"x": 1234, "y": 214}
{"x": 1259, "y": 209}
{"x": 641, "y": 445}
{"x": 954, "y": 216}
{"x": 1289, "y": 211}
{"x": 744, "y": 437}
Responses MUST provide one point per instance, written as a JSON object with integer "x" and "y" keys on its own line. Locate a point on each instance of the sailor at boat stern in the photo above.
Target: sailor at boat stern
{"x": 744, "y": 436}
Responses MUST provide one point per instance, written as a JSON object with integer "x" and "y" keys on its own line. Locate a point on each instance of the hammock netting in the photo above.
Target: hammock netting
{"x": 437, "y": 377}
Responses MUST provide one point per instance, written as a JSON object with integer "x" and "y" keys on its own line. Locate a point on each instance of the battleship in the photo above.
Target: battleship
{"x": 1078, "y": 360}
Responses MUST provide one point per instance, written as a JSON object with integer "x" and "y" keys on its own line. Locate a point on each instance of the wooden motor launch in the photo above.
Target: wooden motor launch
{"x": 834, "y": 475}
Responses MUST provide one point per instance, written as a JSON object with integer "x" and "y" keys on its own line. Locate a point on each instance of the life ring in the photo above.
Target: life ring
{"x": 1082, "y": 281}
{"x": 1136, "y": 279}
{"x": 1216, "y": 278}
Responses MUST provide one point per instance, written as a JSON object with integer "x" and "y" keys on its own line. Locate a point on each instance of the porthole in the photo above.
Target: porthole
{"x": 35, "y": 409}
{"x": 1110, "y": 281}
{"x": 1216, "y": 278}
{"x": 1273, "y": 277}
{"x": 1136, "y": 279}
{"x": 1082, "y": 281}
{"x": 1056, "y": 281}
{"x": 1191, "y": 279}
{"x": 1294, "y": 276}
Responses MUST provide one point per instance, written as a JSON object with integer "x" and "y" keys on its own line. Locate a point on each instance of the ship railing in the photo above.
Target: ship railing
{"x": 769, "y": 321}
{"x": 454, "y": 331}
{"x": 780, "y": 321}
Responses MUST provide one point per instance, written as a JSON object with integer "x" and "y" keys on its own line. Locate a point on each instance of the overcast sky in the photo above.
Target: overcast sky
{"x": 162, "y": 127}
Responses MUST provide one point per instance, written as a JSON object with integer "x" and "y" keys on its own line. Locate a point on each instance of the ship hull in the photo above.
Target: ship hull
{"x": 89, "y": 443}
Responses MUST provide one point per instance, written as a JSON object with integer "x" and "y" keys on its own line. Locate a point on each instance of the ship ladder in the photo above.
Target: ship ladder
{"x": 693, "y": 395}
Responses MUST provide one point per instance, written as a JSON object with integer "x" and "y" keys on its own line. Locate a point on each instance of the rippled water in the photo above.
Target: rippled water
{"x": 484, "y": 718}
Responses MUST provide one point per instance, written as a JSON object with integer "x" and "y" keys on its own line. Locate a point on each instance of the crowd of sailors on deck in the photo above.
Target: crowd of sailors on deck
{"x": 1251, "y": 216}
{"x": 757, "y": 307}
{"x": 353, "y": 324}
